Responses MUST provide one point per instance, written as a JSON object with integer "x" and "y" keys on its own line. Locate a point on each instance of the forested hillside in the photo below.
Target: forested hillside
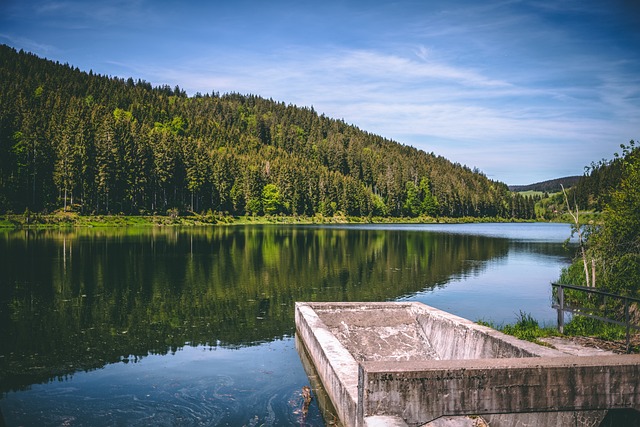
{"x": 71, "y": 139}
{"x": 593, "y": 191}
{"x": 550, "y": 186}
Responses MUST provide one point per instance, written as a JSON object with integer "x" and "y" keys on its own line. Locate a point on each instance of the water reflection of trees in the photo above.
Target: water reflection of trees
{"x": 79, "y": 299}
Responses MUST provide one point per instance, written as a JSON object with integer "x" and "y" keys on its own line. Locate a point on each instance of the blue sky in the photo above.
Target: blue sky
{"x": 523, "y": 90}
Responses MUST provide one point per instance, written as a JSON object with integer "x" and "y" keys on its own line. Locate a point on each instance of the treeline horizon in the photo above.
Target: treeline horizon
{"x": 548, "y": 186}
{"x": 94, "y": 144}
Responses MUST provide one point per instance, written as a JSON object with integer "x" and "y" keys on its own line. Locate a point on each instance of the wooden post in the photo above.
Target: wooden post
{"x": 561, "y": 309}
{"x": 627, "y": 322}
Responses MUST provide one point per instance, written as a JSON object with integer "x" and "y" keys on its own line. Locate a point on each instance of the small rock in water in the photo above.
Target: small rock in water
{"x": 306, "y": 395}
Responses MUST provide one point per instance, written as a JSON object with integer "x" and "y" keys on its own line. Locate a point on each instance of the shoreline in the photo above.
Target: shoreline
{"x": 72, "y": 220}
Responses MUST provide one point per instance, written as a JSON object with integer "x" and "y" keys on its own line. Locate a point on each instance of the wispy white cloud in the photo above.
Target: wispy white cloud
{"x": 376, "y": 66}
{"x": 85, "y": 14}
{"x": 29, "y": 44}
{"x": 49, "y": 7}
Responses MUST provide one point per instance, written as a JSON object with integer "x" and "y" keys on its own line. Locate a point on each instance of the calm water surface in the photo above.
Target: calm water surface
{"x": 195, "y": 326}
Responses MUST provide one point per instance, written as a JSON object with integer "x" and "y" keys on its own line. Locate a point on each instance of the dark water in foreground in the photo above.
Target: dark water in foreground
{"x": 194, "y": 326}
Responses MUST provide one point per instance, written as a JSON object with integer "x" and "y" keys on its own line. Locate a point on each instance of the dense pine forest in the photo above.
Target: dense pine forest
{"x": 594, "y": 189}
{"x": 95, "y": 144}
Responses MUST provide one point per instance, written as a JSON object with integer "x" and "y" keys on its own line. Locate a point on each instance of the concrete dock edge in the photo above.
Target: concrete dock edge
{"x": 336, "y": 367}
{"x": 465, "y": 370}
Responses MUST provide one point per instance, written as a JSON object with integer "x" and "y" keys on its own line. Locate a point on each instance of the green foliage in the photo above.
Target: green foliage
{"x": 176, "y": 126}
{"x": 586, "y": 326}
{"x": 613, "y": 253}
{"x": 573, "y": 274}
{"x": 254, "y": 206}
{"x": 527, "y": 328}
{"x": 429, "y": 205}
{"x": 613, "y": 242}
{"x": 378, "y": 205}
{"x": 121, "y": 115}
{"x": 411, "y": 203}
{"x": 487, "y": 323}
{"x": 591, "y": 192}
{"x": 616, "y": 243}
{"x": 271, "y": 199}
{"x": 419, "y": 200}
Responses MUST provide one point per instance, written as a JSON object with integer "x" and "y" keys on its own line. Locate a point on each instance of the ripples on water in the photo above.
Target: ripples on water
{"x": 184, "y": 389}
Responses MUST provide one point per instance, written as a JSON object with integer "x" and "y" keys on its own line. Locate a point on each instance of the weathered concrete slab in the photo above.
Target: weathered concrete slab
{"x": 456, "y": 338}
{"x": 384, "y": 421}
{"x": 423, "y": 366}
{"x": 576, "y": 349}
{"x": 426, "y": 390}
{"x": 391, "y": 334}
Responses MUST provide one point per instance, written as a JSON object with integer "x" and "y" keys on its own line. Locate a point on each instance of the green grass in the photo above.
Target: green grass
{"x": 73, "y": 219}
{"x": 5, "y": 223}
{"x": 587, "y": 327}
{"x": 526, "y": 328}
{"x": 531, "y": 193}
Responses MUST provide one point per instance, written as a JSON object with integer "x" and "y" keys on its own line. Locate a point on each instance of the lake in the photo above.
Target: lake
{"x": 195, "y": 326}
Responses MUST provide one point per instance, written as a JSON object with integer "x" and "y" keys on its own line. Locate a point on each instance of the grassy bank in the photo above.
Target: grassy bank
{"x": 72, "y": 219}
{"x": 527, "y": 328}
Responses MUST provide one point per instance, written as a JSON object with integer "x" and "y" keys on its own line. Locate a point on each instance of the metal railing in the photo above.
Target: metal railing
{"x": 599, "y": 311}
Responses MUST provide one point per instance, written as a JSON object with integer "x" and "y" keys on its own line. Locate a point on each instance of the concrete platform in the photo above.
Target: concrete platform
{"x": 574, "y": 348}
{"x": 411, "y": 364}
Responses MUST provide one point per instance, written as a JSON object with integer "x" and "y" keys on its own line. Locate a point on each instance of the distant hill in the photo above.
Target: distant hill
{"x": 551, "y": 186}
{"x": 100, "y": 144}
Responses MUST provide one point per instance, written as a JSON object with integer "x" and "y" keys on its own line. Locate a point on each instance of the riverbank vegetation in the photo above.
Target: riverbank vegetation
{"x": 612, "y": 245}
{"x": 591, "y": 332}
{"x": 73, "y": 219}
{"x": 525, "y": 328}
{"x": 609, "y": 254}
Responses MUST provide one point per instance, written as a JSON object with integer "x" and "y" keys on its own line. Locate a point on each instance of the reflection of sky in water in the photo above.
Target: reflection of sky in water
{"x": 540, "y": 232}
{"x": 500, "y": 289}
